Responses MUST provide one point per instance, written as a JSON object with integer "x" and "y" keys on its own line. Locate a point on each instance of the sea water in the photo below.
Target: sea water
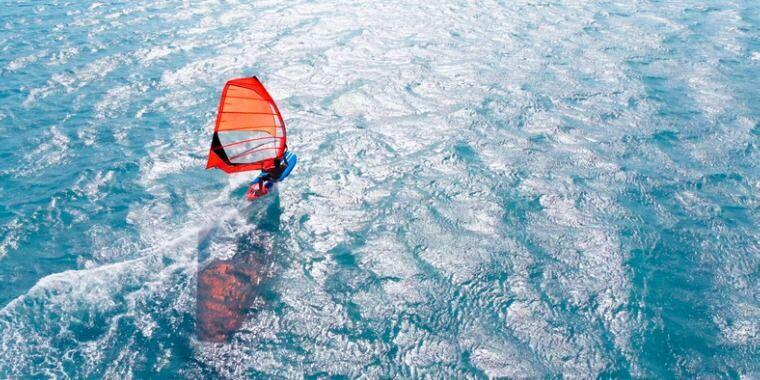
{"x": 485, "y": 189}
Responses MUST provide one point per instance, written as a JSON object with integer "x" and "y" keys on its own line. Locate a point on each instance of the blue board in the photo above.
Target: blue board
{"x": 292, "y": 160}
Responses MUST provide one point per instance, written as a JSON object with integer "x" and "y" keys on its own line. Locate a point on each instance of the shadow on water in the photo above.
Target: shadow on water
{"x": 231, "y": 290}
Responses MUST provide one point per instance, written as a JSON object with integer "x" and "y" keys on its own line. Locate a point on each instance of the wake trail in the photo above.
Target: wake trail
{"x": 190, "y": 231}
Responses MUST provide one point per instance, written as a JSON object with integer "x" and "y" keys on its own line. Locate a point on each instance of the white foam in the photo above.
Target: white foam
{"x": 12, "y": 236}
{"x": 22, "y": 62}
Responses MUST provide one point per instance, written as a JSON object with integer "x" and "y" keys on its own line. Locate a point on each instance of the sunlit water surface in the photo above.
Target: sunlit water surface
{"x": 488, "y": 188}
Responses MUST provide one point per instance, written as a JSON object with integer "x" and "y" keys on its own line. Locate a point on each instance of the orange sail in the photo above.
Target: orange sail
{"x": 249, "y": 132}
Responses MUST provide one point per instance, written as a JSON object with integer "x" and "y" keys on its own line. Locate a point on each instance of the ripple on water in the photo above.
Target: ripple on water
{"x": 484, "y": 189}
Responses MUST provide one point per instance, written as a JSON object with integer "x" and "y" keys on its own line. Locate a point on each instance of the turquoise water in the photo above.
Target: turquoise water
{"x": 485, "y": 189}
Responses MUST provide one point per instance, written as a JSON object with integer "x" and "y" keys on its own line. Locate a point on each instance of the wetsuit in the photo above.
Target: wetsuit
{"x": 272, "y": 175}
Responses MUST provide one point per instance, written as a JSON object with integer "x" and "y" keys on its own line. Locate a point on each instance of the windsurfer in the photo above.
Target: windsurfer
{"x": 273, "y": 174}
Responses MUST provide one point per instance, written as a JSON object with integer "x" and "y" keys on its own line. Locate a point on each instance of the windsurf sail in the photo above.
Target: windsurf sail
{"x": 249, "y": 132}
